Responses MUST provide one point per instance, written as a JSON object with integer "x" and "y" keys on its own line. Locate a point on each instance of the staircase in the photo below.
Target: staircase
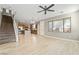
{"x": 5, "y": 38}
{"x": 7, "y": 33}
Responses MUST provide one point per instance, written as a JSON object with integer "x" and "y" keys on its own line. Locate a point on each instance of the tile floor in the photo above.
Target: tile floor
{"x": 40, "y": 45}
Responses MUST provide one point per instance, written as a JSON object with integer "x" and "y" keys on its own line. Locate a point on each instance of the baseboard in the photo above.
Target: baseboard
{"x": 60, "y": 38}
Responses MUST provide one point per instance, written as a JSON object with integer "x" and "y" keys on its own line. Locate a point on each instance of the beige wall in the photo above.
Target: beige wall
{"x": 74, "y": 27}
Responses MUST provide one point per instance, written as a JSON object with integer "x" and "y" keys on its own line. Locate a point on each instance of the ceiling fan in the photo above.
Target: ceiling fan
{"x": 45, "y": 9}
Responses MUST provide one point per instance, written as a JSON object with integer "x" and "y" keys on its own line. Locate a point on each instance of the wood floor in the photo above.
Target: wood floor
{"x": 39, "y": 45}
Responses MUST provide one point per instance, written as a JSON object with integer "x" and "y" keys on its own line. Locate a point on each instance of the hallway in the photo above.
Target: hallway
{"x": 39, "y": 45}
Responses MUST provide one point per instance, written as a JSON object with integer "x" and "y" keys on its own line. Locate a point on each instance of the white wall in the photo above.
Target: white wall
{"x": 41, "y": 28}
{"x": 38, "y": 28}
{"x": 16, "y": 32}
{"x": 0, "y": 18}
{"x": 74, "y": 27}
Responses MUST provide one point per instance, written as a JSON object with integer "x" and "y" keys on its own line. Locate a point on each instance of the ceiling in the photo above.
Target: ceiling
{"x": 28, "y": 12}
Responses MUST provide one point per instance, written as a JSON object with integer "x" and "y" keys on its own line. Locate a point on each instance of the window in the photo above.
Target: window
{"x": 62, "y": 25}
{"x": 67, "y": 25}
{"x": 50, "y": 26}
{"x": 58, "y": 26}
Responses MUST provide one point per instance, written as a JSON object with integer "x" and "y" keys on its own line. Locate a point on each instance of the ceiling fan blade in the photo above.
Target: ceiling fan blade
{"x": 40, "y": 11}
{"x": 50, "y": 6}
{"x": 51, "y": 10}
{"x": 42, "y": 7}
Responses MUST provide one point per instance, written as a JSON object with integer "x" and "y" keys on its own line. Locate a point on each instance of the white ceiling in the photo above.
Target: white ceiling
{"x": 28, "y": 12}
